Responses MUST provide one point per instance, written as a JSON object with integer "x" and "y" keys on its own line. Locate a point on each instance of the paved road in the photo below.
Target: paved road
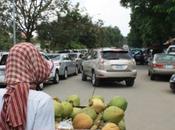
{"x": 151, "y": 103}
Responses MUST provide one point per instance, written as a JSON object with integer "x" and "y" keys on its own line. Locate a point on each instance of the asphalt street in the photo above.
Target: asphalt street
{"x": 151, "y": 104}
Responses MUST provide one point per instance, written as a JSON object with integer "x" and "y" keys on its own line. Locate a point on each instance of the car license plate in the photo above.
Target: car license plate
{"x": 119, "y": 67}
{"x": 169, "y": 66}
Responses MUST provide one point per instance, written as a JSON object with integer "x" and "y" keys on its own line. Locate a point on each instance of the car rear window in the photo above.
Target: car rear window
{"x": 73, "y": 55}
{"x": 113, "y": 55}
{"x": 58, "y": 57}
{"x": 172, "y": 49}
{"x": 3, "y": 60}
{"x": 53, "y": 56}
{"x": 165, "y": 58}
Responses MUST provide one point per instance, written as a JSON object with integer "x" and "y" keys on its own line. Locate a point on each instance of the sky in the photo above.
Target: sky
{"x": 110, "y": 11}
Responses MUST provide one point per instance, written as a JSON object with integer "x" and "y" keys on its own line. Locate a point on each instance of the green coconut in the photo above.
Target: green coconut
{"x": 113, "y": 114}
{"x": 74, "y": 100}
{"x": 122, "y": 125}
{"x": 67, "y": 109}
{"x": 89, "y": 111}
{"x": 58, "y": 109}
{"x": 119, "y": 101}
{"x": 75, "y": 111}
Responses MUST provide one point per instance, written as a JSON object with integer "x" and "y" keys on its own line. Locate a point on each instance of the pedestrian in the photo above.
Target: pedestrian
{"x": 21, "y": 106}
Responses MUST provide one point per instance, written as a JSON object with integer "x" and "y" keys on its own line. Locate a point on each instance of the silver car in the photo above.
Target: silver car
{"x": 65, "y": 64}
{"x": 54, "y": 75}
{"x": 109, "y": 63}
{"x": 3, "y": 59}
{"x": 77, "y": 57}
{"x": 161, "y": 64}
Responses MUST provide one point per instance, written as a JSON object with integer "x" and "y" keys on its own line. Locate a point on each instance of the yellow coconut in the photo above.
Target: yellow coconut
{"x": 82, "y": 121}
{"x": 97, "y": 104}
{"x": 110, "y": 126}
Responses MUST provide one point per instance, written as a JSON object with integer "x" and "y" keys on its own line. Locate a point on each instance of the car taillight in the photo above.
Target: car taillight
{"x": 157, "y": 65}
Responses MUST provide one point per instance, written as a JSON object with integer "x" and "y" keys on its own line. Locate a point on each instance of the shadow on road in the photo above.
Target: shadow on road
{"x": 110, "y": 84}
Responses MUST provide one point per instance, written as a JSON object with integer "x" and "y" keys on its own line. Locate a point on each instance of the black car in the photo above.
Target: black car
{"x": 138, "y": 55}
{"x": 172, "y": 82}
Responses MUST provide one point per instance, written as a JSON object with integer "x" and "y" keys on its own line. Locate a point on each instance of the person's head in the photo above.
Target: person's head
{"x": 25, "y": 64}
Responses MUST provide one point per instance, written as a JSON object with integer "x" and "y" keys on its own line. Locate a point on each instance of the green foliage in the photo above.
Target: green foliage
{"x": 5, "y": 38}
{"x": 152, "y": 22}
{"x": 74, "y": 30}
{"x": 75, "y": 45}
{"x": 28, "y": 13}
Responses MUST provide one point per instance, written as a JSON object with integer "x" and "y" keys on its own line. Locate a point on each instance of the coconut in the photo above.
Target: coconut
{"x": 110, "y": 126}
{"x": 58, "y": 109}
{"x": 74, "y": 100}
{"x": 121, "y": 125}
{"x": 97, "y": 104}
{"x": 97, "y": 96}
{"x": 75, "y": 111}
{"x": 119, "y": 101}
{"x": 90, "y": 111}
{"x": 67, "y": 109}
{"x": 82, "y": 121}
{"x": 113, "y": 114}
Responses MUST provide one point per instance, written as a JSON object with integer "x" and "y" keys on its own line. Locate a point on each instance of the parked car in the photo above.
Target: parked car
{"x": 138, "y": 55}
{"x": 54, "y": 75}
{"x": 109, "y": 64}
{"x": 172, "y": 82}
{"x": 3, "y": 59}
{"x": 77, "y": 57}
{"x": 161, "y": 64}
{"x": 65, "y": 64}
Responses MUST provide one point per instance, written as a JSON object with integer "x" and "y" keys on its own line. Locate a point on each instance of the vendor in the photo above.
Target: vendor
{"x": 21, "y": 106}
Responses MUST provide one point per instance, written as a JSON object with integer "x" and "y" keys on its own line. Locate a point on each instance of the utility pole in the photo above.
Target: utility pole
{"x": 14, "y": 22}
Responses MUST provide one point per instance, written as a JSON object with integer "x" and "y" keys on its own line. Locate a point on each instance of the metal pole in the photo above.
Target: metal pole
{"x": 14, "y": 22}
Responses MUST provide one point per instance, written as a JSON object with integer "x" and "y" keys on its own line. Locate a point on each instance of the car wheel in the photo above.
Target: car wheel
{"x": 152, "y": 76}
{"x": 83, "y": 76}
{"x": 148, "y": 73}
{"x": 129, "y": 82}
{"x": 65, "y": 74}
{"x": 56, "y": 78}
{"x": 94, "y": 79}
{"x": 172, "y": 86}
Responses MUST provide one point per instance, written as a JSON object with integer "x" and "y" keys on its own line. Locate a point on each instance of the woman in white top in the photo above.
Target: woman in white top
{"x": 21, "y": 108}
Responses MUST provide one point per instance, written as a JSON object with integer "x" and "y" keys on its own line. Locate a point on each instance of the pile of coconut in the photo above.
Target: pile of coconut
{"x": 96, "y": 115}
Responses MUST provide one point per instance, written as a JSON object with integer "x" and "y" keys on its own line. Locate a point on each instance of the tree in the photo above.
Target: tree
{"x": 28, "y": 13}
{"x": 151, "y": 21}
{"x": 74, "y": 28}
{"x": 5, "y": 39}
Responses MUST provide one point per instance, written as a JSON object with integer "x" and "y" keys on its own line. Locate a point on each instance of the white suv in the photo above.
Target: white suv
{"x": 109, "y": 63}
